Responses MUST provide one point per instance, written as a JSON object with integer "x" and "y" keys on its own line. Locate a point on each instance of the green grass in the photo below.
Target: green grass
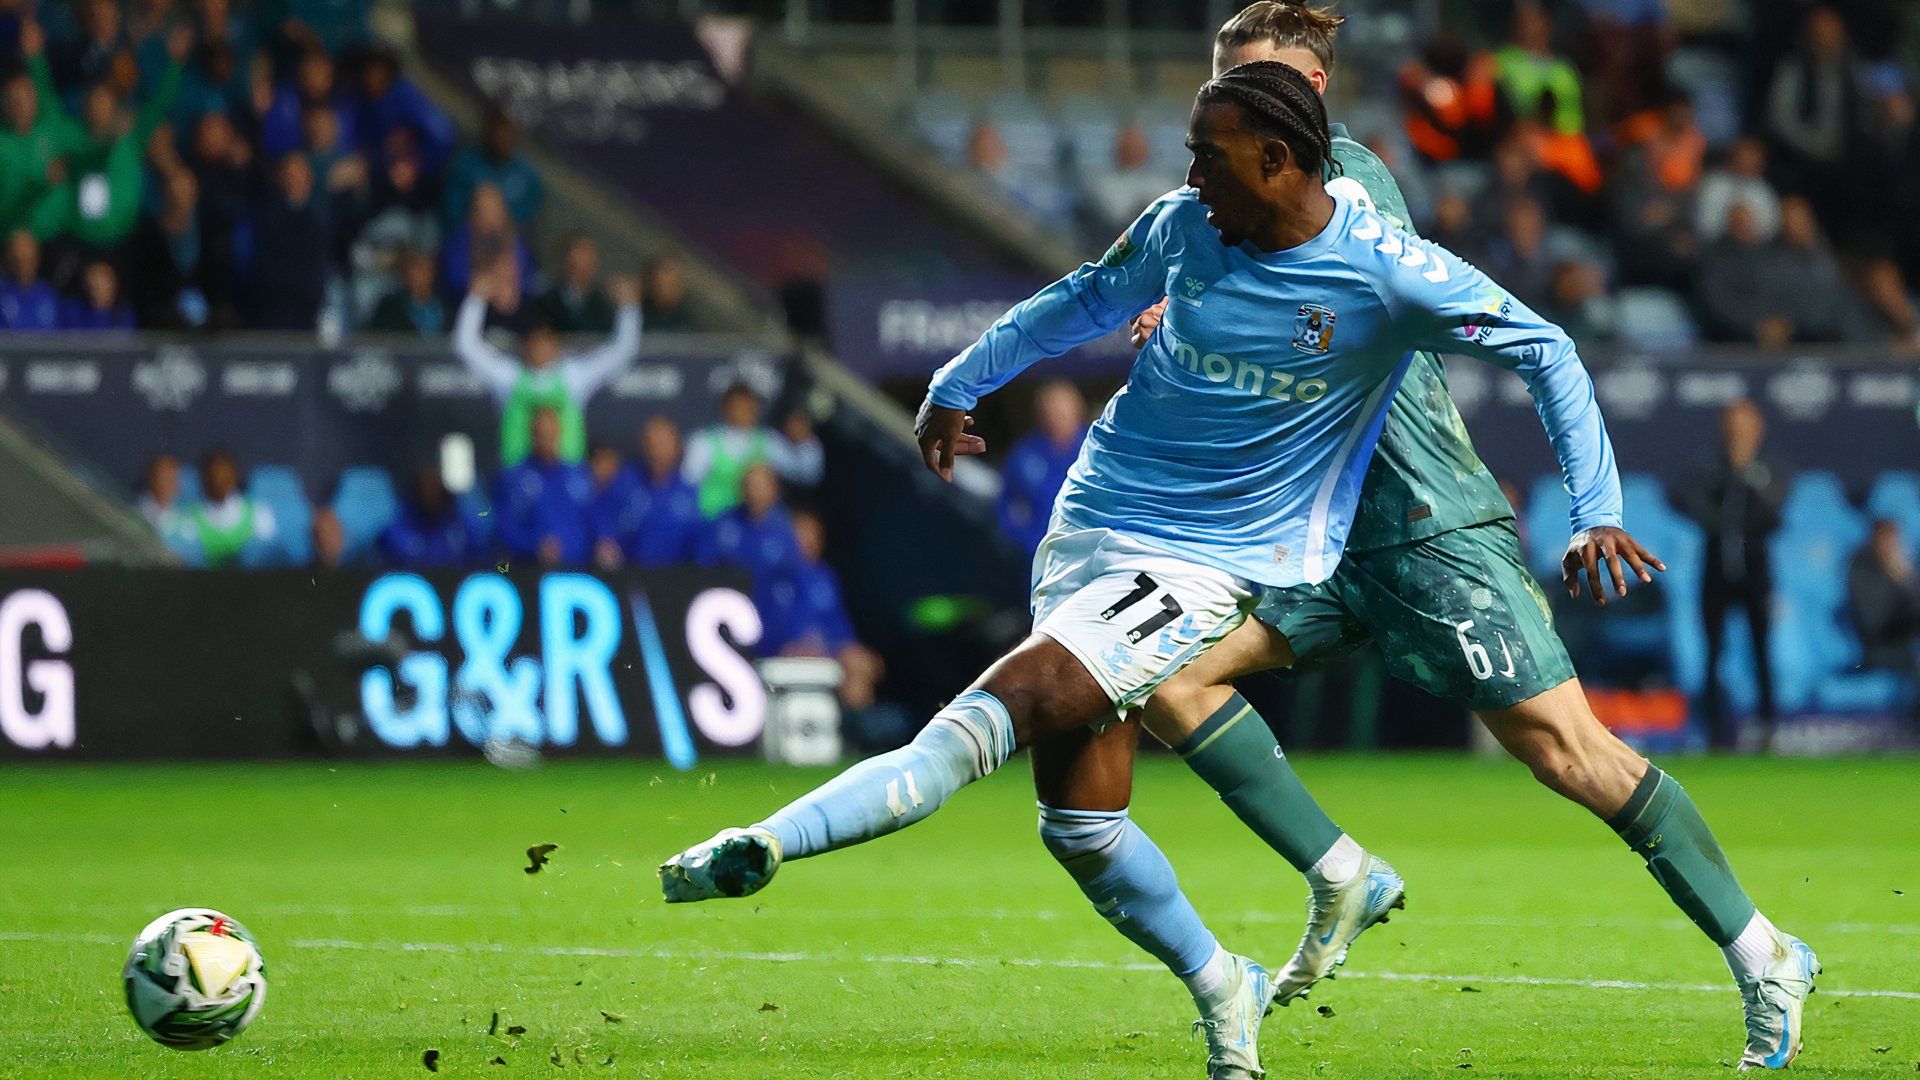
{"x": 395, "y": 917}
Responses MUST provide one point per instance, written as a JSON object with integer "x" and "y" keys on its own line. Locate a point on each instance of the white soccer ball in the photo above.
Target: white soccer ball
{"x": 194, "y": 979}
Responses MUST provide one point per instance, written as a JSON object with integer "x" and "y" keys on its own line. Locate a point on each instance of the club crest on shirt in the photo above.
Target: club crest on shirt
{"x": 1313, "y": 328}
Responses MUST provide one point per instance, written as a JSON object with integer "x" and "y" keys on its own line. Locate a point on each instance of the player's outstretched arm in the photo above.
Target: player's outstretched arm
{"x": 943, "y": 436}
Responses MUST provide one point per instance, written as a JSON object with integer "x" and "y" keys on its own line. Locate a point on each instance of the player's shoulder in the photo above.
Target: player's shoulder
{"x": 1391, "y": 259}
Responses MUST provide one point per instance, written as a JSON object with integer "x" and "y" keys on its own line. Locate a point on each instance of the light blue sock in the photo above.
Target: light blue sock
{"x": 965, "y": 741}
{"x": 1132, "y": 886}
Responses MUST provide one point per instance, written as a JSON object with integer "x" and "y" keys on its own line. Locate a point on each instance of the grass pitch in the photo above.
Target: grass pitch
{"x": 396, "y": 918}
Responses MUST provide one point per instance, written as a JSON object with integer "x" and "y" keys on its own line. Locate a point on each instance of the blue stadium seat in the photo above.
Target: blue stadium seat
{"x": 946, "y": 121}
{"x": 1813, "y": 644}
{"x": 278, "y": 488}
{"x": 365, "y": 504}
{"x": 189, "y": 483}
{"x": 1713, "y": 82}
{"x": 1545, "y": 517}
{"x": 1896, "y": 498}
{"x": 1653, "y": 318}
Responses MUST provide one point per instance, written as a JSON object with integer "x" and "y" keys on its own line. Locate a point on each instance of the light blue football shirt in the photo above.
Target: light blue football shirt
{"x": 1247, "y": 422}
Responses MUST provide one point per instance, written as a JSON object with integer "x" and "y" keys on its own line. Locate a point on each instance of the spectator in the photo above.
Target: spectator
{"x": 720, "y": 456}
{"x": 1577, "y": 301}
{"x": 289, "y": 271}
{"x": 663, "y": 294}
{"x": 403, "y": 219}
{"x": 226, "y": 521}
{"x": 651, "y": 517}
{"x": 805, "y": 614}
{"x": 488, "y": 237}
{"x": 1748, "y": 287}
{"x": 26, "y": 302}
{"x": 496, "y": 162}
{"x": 1519, "y": 258}
{"x": 159, "y": 500}
{"x": 540, "y": 503}
{"x": 328, "y": 26}
{"x": 86, "y": 60}
{"x": 312, "y": 87}
{"x": 1653, "y": 201}
{"x": 339, "y": 173}
{"x": 34, "y": 146}
{"x": 1517, "y": 177}
{"x": 1811, "y": 105}
{"x": 390, "y": 103}
{"x": 987, "y": 155}
{"x": 1037, "y": 466}
{"x": 431, "y": 530}
{"x": 329, "y": 540}
{"x": 221, "y": 165}
{"x": 1740, "y": 180}
{"x": 415, "y": 307}
{"x": 217, "y": 77}
{"x": 1883, "y": 594}
{"x": 99, "y": 306}
{"x": 756, "y": 534}
{"x": 1529, "y": 69}
{"x": 1116, "y": 196}
{"x": 167, "y": 258}
{"x": 1452, "y": 96}
{"x": 1817, "y": 304}
{"x": 1737, "y": 499}
{"x": 544, "y": 378}
{"x": 576, "y": 304}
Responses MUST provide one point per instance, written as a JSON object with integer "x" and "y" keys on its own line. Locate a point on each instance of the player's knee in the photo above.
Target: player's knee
{"x": 1071, "y": 836}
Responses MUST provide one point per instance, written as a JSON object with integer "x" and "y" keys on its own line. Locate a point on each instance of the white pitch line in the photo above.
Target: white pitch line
{"x": 936, "y": 961}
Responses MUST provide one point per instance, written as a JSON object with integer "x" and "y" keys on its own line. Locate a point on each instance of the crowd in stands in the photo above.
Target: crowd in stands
{"x": 1657, "y": 172}
{"x": 201, "y": 164}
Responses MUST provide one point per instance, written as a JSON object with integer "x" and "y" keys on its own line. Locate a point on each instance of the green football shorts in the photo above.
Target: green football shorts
{"x": 1458, "y": 615}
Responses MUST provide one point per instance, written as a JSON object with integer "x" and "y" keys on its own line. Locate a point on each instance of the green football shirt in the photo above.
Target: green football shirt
{"x": 1425, "y": 478}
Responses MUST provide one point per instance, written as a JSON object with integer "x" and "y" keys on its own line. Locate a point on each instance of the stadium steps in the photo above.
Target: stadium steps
{"x": 57, "y": 517}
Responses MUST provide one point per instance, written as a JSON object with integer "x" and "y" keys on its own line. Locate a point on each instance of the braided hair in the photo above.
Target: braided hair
{"x": 1280, "y": 102}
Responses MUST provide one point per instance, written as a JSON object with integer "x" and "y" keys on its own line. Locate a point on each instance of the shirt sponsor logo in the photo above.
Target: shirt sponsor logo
{"x": 1120, "y": 252}
{"x": 1244, "y": 375}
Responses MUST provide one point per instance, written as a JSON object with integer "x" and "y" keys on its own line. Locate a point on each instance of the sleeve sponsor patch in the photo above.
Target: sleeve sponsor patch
{"x": 1121, "y": 251}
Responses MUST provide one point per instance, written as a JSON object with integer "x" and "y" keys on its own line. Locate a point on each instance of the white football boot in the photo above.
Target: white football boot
{"x": 1337, "y": 914}
{"x": 1773, "y": 1001}
{"x": 1233, "y": 1029}
{"x": 736, "y": 862}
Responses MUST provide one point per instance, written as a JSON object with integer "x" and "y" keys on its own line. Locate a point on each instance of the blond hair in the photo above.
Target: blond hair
{"x": 1284, "y": 24}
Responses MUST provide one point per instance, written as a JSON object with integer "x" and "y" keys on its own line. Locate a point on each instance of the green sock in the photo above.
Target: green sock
{"x": 1661, "y": 824}
{"x": 1236, "y": 754}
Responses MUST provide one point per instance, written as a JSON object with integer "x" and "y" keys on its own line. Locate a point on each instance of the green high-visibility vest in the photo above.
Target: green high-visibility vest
{"x": 533, "y": 391}
{"x": 221, "y": 547}
{"x": 720, "y": 490}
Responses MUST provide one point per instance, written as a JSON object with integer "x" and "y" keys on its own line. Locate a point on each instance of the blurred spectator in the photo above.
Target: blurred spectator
{"x": 576, "y": 303}
{"x": 288, "y": 277}
{"x": 1770, "y": 294}
{"x": 1529, "y": 69}
{"x": 225, "y": 521}
{"x": 216, "y": 77}
{"x": 540, "y": 504}
{"x": 1653, "y": 200}
{"x": 431, "y": 529}
{"x": 166, "y": 259}
{"x": 1037, "y": 466}
{"x": 221, "y": 165}
{"x": 403, "y": 218}
{"x": 1577, "y": 301}
{"x": 26, "y": 302}
{"x": 159, "y": 500}
{"x": 663, "y": 294}
{"x": 1452, "y": 98}
{"x": 987, "y": 155}
{"x": 86, "y": 60}
{"x": 1742, "y": 181}
{"x": 1117, "y": 195}
{"x": 1517, "y": 177}
{"x": 98, "y": 307}
{"x": 496, "y": 162}
{"x": 651, "y": 516}
{"x": 487, "y": 239}
{"x": 547, "y": 379}
{"x": 312, "y": 87}
{"x": 1621, "y": 48}
{"x": 805, "y": 614}
{"x": 339, "y": 173}
{"x": 720, "y": 456}
{"x": 1883, "y": 594}
{"x": 1568, "y": 160}
{"x": 1737, "y": 499}
{"x": 1523, "y": 256}
{"x": 331, "y": 26}
{"x": 755, "y": 535}
{"x": 329, "y": 539}
{"x": 33, "y": 147}
{"x": 415, "y": 307}
{"x": 1811, "y": 104}
{"x": 390, "y": 103}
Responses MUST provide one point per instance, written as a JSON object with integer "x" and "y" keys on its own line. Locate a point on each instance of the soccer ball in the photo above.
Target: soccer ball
{"x": 194, "y": 979}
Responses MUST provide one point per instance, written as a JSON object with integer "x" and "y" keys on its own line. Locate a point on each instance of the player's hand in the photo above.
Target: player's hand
{"x": 1609, "y": 547}
{"x": 1144, "y": 324}
{"x": 943, "y": 436}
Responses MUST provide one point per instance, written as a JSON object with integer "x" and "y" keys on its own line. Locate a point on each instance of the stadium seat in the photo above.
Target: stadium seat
{"x": 278, "y": 488}
{"x": 1896, "y": 497}
{"x": 1713, "y": 82}
{"x": 946, "y": 121}
{"x": 365, "y": 504}
{"x": 1813, "y": 642}
{"x": 1652, "y": 318}
{"x": 1545, "y": 516}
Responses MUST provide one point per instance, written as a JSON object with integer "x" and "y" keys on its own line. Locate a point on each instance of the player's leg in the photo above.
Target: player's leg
{"x": 1229, "y": 745}
{"x": 1570, "y": 751}
{"x": 1084, "y": 781}
{"x": 1113, "y": 618}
